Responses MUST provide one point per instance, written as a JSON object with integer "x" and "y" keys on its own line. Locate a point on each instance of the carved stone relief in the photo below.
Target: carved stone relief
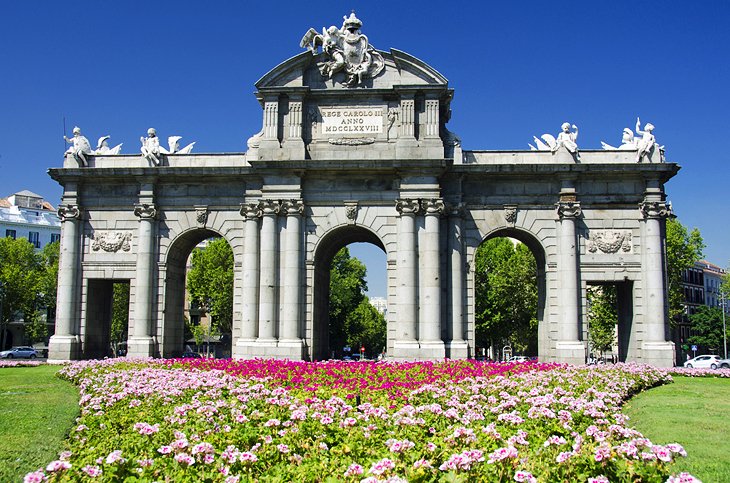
{"x": 111, "y": 241}
{"x": 201, "y": 215}
{"x": 351, "y": 210}
{"x": 609, "y": 241}
{"x": 351, "y": 141}
{"x": 510, "y": 214}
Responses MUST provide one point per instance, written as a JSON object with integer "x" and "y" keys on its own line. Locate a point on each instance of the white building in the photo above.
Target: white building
{"x": 380, "y": 304}
{"x": 27, "y": 215}
{"x": 713, "y": 276}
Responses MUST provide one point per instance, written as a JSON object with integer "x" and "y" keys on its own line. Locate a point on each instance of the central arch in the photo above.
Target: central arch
{"x": 324, "y": 252}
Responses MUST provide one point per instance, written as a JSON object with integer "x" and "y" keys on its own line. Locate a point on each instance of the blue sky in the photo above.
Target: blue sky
{"x": 519, "y": 69}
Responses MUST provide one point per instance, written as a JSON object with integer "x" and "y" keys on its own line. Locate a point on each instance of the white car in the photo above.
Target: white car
{"x": 19, "y": 352}
{"x": 704, "y": 362}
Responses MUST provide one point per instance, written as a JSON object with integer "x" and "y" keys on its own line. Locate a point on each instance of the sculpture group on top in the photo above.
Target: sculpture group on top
{"x": 151, "y": 149}
{"x": 644, "y": 146}
{"x": 566, "y": 138}
{"x": 348, "y": 50}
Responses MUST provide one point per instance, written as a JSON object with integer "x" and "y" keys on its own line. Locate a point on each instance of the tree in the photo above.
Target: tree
{"x": 347, "y": 292}
{"x": 120, "y": 315}
{"x": 603, "y": 316}
{"x": 684, "y": 248}
{"x": 366, "y": 327}
{"x": 506, "y": 295}
{"x": 707, "y": 328}
{"x": 48, "y": 279}
{"x": 20, "y": 267}
{"x": 210, "y": 282}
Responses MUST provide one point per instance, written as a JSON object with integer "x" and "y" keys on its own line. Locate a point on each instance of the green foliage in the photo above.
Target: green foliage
{"x": 120, "y": 313}
{"x": 707, "y": 327}
{"x": 20, "y": 267}
{"x": 603, "y": 316}
{"x": 48, "y": 279}
{"x": 366, "y": 327}
{"x": 35, "y": 327}
{"x": 210, "y": 282}
{"x": 347, "y": 292}
{"x": 684, "y": 248}
{"x": 506, "y": 295}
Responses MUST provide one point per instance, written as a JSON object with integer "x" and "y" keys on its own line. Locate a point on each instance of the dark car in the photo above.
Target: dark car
{"x": 19, "y": 353}
{"x": 191, "y": 355}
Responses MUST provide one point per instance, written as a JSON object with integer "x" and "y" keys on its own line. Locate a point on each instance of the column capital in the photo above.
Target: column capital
{"x": 568, "y": 209}
{"x": 655, "y": 209}
{"x": 292, "y": 207}
{"x": 250, "y": 211}
{"x": 69, "y": 212}
{"x": 433, "y": 206}
{"x": 407, "y": 206}
{"x": 269, "y": 207}
{"x": 145, "y": 211}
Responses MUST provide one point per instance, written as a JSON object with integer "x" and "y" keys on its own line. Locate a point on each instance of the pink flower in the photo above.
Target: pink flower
{"x": 145, "y": 462}
{"x": 58, "y": 465}
{"x": 598, "y": 479}
{"x": 525, "y": 476}
{"x": 662, "y": 453}
{"x": 115, "y": 457}
{"x": 282, "y": 448}
{"x": 683, "y": 477}
{"x": 354, "y": 469}
{"x": 232, "y": 479}
{"x": 165, "y": 450}
{"x": 380, "y": 467}
{"x": 92, "y": 471}
{"x": 35, "y": 477}
{"x": 248, "y": 457}
{"x": 184, "y": 458}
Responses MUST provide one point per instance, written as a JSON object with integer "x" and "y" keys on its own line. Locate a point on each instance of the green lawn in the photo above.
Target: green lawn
{"x": 37, "y": 410}
{"x": 694, "y": 412}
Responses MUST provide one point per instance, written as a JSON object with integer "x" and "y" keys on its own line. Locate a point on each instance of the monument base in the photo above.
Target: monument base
{"x": 405, "y": 350}
{"x": 659, "y": 354}
{"x": 140, "y": 347}
{"x": 62, "y": 348}
{"x": 269, "y": 349}
{"x": 570, "y": 352}
{"x": 432, "y": 349}
{"x": 457, "y": 349}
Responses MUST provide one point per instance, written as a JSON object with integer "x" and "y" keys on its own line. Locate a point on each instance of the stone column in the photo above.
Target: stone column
{"x": 292, "y": 284}
{"x": 569, "y": 347}
{"x": 140, "y": 342}
{"x": 408, "y": 118}
{"x": 656, "y": 350}
{"x": 271, "y": 119}
{"x": 64, "y": 344}
{"x": 457, "y": 347}
{"x": 432, "y": 345}
{"x": 268, "y": 277}
{"x": 431, "y": 123}
{"x": 406, "y": 345}
{"x": 251, "y": 213}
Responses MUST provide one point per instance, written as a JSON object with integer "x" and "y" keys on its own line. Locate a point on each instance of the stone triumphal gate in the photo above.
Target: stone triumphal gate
{"x": 354, "y": 148}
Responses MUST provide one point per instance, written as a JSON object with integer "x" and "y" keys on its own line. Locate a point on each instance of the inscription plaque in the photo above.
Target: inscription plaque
{"x": 352, "y": 120}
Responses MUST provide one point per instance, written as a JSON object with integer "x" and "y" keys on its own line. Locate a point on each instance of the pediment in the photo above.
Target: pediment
{"x": 305, "y": 70}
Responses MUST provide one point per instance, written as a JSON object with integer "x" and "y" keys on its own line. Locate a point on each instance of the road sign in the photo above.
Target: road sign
{"x": 694, "y": 347}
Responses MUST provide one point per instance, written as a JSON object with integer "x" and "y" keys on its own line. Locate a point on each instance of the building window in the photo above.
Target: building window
{"x": 55, "y": 237}
{"x": 34, "y": 238}
{"x": 10, "y": 233}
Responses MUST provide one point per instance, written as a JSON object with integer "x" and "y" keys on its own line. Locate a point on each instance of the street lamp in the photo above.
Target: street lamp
{"x": 724, "y": 330}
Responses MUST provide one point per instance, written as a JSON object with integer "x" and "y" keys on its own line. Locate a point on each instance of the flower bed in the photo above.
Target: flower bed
{"x": 291, "y": 421}
{"x": 694, "y": 372}
{"x": 7, "y": 363}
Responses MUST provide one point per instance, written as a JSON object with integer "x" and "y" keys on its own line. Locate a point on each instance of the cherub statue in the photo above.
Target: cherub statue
{"x": 628, "y": 142}
{"x": 80, "y": 148}
{"x": 645, "y": 145}
{"x": 565, "y": 138}
{"x": 151, "y": 147}
{"x": 102, "y": 147}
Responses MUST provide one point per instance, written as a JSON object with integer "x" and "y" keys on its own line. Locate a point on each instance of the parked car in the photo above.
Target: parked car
{"x": 519, "y": 359}
{"x": 724, "y": 363}
{"x": 704, "y": 361}
{"x": 19, "y": 353}
{"x": 191, "y": 355}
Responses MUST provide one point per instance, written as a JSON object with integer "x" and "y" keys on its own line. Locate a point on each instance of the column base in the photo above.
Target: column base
{"x": 140, "y": 347}
{"x": 659, "y": 354}
{"x": 293, "y": 349}
{"x": 457, "y": 349}
{"x": 405, "y": 350}
{"x": 62, "y": 348}
{"x": 570, "y": 352}
{"x": 432, "y": 349}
